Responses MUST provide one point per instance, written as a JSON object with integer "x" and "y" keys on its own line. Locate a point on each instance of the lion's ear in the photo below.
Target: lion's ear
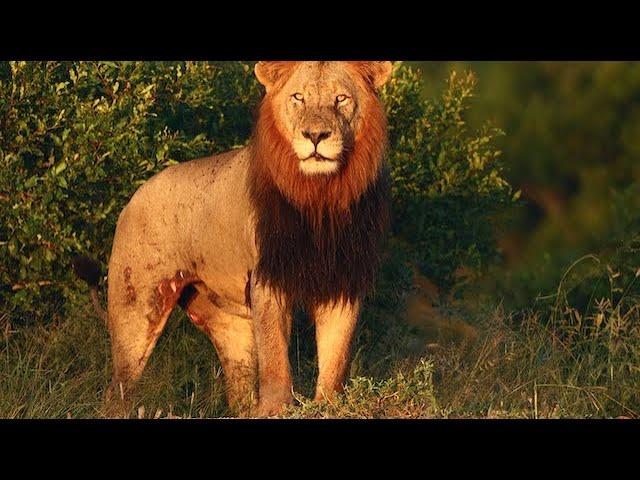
{"x": 269, "y": 73}
{"x": 378, "y": 73}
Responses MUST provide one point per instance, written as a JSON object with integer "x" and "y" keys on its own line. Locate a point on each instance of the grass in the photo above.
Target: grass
{"x": 557, "y": 361}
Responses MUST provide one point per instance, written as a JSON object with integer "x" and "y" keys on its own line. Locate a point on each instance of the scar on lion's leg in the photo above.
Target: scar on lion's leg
{"x": 131, "y": 291}
{"x": 167, "y": 294}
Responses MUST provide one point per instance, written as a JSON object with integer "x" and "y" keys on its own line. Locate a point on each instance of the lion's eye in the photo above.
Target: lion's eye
{"x": 341, "y": 98}
{"x": 298, "y": 97}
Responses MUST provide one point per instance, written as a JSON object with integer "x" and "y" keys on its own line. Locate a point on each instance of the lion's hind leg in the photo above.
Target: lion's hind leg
{"x": 232, "y": 337}
{"x": 139, "y": 306}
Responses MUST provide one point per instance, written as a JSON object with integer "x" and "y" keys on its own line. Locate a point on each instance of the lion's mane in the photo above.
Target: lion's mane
{"x": 318, "y": 237}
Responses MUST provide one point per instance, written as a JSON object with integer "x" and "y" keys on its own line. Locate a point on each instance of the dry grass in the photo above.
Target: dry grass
{"x": 556, "y": 362}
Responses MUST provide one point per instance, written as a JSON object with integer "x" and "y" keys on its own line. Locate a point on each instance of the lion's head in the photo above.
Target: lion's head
{"x": 321, "y": 131}
{"x": 316, "y": 178}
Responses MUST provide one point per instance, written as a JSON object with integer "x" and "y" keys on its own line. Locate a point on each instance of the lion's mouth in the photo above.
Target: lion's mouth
{"x": 319, "y": 158}
{"x": 317, "y": 164}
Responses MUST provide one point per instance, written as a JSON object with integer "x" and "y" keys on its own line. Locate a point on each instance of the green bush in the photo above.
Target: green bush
{"x": 77, "y": 139}
{"x": 447, "y": 181}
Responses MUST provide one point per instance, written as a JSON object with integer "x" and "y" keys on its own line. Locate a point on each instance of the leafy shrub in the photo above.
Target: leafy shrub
{"x": 447, "y": 181}
{"x": 77, "y": 139}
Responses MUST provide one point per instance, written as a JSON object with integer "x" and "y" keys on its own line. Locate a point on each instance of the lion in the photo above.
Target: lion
{"x": 240, "y": 239}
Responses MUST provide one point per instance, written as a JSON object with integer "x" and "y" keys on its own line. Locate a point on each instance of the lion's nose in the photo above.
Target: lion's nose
{"x": 316, "y": 136}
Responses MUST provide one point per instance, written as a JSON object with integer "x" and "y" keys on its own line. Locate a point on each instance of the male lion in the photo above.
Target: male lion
{"x": 240, "y": 239}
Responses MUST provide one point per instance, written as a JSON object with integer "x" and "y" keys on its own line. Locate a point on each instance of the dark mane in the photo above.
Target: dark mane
{"x": 313, "y": 265}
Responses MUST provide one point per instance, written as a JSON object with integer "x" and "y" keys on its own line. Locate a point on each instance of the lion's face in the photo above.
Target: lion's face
{"x": 318, "y": 107}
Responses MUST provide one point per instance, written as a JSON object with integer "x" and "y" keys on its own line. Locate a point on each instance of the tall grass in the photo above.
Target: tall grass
{"x": 62, "y": 370}
{"x": 561, "y": 359}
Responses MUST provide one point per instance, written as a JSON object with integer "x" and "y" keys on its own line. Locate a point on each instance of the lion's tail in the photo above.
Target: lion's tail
{"x": 88, "y": 270}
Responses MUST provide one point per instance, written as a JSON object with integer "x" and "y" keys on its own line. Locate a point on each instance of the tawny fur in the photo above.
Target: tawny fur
{"x": 239, "y": 238}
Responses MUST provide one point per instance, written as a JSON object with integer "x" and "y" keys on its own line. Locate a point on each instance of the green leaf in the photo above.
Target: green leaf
{"x": 59, "y": 168}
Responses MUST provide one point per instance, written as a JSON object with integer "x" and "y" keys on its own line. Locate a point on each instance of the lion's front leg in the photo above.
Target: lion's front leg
{"x": 272, "y": 330}
{"x": 335, "y": 325}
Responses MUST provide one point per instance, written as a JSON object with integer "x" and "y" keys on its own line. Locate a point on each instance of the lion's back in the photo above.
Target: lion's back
{"x": 186, "y": 194}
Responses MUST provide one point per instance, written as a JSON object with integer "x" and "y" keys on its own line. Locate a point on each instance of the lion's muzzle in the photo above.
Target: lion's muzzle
{"x": 319, "y": 151}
